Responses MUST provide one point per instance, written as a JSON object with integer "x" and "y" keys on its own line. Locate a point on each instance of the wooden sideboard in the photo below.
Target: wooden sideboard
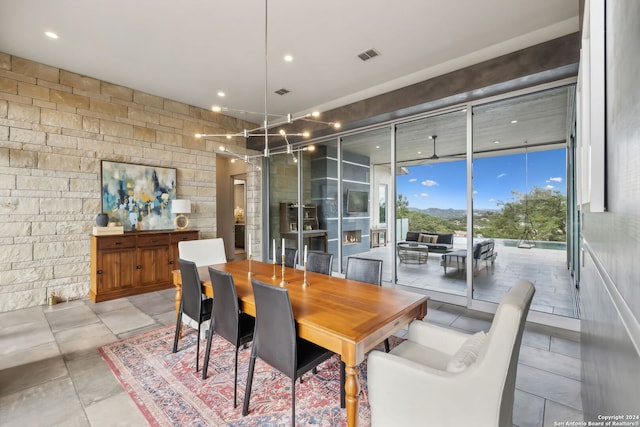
{"x": 134, "y": 263}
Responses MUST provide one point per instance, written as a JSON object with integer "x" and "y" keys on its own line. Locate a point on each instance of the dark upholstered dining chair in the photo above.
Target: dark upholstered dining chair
{"x": 228, "y": 322}
{"x": 192, "y": 304}
{"x": 365, "y": 270}
{"x": 320, "y": 262}
{"x": 290, "y": 257}
{"x": 277, "y": 343}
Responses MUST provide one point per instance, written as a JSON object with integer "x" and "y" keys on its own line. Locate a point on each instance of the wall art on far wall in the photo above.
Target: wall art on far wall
{"x": 138, "y": 196}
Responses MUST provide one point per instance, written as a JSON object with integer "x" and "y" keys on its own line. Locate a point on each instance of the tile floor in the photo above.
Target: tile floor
{"x": 52, "y": 375}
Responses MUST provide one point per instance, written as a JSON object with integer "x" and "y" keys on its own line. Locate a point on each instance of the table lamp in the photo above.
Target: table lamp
{"x": 180, "y": 207}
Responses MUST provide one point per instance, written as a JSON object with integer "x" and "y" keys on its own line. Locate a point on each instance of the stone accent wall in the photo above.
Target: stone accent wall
{"x": 55, "y": 128}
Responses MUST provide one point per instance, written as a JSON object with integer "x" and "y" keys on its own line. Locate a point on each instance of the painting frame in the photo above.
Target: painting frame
{"x": 138, "y": 196}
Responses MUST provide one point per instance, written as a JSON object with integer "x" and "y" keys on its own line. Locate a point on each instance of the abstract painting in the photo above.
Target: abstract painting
{"x": 138, "y": 196}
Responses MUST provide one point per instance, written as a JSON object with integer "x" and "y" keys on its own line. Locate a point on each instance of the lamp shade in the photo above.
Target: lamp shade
{"x": 181, "y": 206}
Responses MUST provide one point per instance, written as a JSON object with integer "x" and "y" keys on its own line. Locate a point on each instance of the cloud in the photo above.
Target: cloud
{"x": 429, "y": 183}
{"x": 492, "y": 200}
{"x": 424, "y": 195}
{"x": 549, "y": 187}
{"x": 501, "y": 175}
{"x": 413, "y": 179}
{"x": 556, "y": 179}
{"x": 475, "y": 192}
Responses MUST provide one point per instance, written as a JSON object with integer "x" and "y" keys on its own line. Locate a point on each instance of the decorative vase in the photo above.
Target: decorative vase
{"x": 102, "y": 220}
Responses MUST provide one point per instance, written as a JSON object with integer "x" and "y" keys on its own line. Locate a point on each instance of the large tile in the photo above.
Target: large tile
{"x": 82, "y": 339}
{"x": 126, "y": 319}
{"x": 107, "y": 306}
{"x": 92, "y": 378}
{"x": 558, "y": 388}
{"x": 24, "y": 336}
{"x": 152, "y": 303}
{"x": 556, "y": 414}
{"x": 71, "y": 317}
{"x": 20, "y": 317}
{"x": 31, "y": 369}
{"x": 103, "y": 413}
{"x": 166, "y": 318}
{"x": 471, "y": 324}
{"x": 53, "y": 403}
{"x": 551, "y": 362}
{"x": 528, "y": 410}
{"x": 567, "y": 347}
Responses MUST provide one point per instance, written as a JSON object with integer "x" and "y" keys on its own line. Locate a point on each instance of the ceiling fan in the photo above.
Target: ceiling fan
{"x": 434, "y": 156}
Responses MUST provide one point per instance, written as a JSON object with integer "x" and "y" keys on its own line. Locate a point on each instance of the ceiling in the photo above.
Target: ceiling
{"x": 189, "y": 50}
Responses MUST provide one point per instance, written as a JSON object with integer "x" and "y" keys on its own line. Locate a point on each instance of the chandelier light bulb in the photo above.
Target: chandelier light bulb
{"x": 337, "y": 125}
{"x": 315, "y": 114}
{"x": 306, "y": 134}
{"x": 198, "y": 135}
{"x": 216, "y": 108}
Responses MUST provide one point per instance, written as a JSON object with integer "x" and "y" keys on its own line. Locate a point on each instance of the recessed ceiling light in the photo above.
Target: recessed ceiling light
{"x": 496, "y": 142}
{"x": 51, "y": 34}
{"x": 419, "y": 152}
{"x": 377, "y": 146}
{"x": 221, "y": 94}
{"x": 514, "y": 121}
{"x": 288, "y": 58}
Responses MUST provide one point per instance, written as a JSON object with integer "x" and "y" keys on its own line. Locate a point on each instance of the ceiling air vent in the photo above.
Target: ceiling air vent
{"x": 368, "y": 54}
{"x": 282, "y": 91}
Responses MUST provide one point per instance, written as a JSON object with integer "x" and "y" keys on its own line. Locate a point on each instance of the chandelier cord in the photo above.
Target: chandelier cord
{"x": 266, "y": 70}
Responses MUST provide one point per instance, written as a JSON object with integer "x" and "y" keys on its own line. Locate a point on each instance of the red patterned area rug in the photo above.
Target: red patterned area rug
{"x": 169, "y": 392}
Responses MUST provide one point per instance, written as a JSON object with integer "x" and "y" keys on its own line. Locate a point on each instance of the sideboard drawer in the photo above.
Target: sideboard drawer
{"x": 154, "y": 239}
{"x": 116, "y": 242}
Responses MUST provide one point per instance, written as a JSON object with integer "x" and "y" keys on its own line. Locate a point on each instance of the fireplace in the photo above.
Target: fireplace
{"x": 352, "y": 236}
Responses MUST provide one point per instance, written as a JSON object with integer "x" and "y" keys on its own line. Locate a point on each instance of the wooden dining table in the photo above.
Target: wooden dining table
{"x": 345, "y": 316}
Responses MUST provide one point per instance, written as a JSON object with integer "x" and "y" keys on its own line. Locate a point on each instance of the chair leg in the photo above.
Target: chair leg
{"x": 247, "y": 390}
{"x": 207, "y": 351}
{"x": 198, "y": 348}
{"x": 178, "y": 324}
{"x": 386, "y": 345}
{"x": 293, "y": 402}
{"x": 343, "y": 378}
{"x": 235, "y": 381}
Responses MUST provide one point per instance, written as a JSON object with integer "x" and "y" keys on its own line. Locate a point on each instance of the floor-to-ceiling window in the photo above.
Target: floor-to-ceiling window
{"x": 520, "y": 197}
{"x": 493, "y": 170}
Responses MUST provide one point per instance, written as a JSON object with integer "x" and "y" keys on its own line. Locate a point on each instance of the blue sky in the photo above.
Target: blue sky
{"x": 443, "y": 185}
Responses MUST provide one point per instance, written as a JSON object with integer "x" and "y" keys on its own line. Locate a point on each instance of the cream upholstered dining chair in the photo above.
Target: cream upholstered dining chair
{"x": 203, "y": 251}
{"x": 444, "y": 377}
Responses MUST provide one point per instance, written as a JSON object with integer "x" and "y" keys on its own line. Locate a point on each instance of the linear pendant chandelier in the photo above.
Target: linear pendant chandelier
{"x": 266, "y": 129}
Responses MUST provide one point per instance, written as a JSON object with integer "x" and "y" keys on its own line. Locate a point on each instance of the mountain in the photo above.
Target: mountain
{"x": 442, "y": 213}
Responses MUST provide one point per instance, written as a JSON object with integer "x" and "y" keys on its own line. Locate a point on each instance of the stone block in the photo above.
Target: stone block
{"x": 23, "y": 113}
{"x": 176, "y": 107}
{"x": 69, "y": 228}
{"x": 22, "y": 299}
{"x": 43, "y": 228}
{"x": 17, "y": 253}
{"x": 35, "y": 69}
{"x": 60, "y": 206}
{"x": 150, "y": 153}
{"x": 108, "y": 108}
{"x": 169, "y": 139}
{"x": 171, "y": 122}
{"x": 62, "y": 141}
{"x": 144, "y": 134}
{"x": 26, "y": 182}
{"x": 27, "y": 136}
{"x": 61, "y": 119}
{"x": 7, "y": 182}
{"x": 4, "y": 153}
{"x": 116, "y": 91}
{"x": 77, "y": 248}
{"x": 33, "y": 91}
{"x": 4, "y": 109}
{"x": 84, "y": 185}
{"x": 91, "y": 205}
{"x": 5, "y": 61}
{"x": 8, "y": 85}
{"x": 23, "y": 159}
{"x": 70, "y": 270}
{"x": 84, "y": 83}
{"x": 15, "y": 228}
{"x": 186, "y": 158}
{"x": 108, "y": 127}
{"x": 19, "y": 206}
{"x": 144, "y": 116}
{"x": 91, "y": 124}
{"x": 48, "y": 250}
{"x": 147, "y": 99}
{"x": 69, "y": 99}
{"x": 58, "y": 162}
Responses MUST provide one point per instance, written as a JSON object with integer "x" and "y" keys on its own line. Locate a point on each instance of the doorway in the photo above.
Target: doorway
{"x": 239, "y": 211}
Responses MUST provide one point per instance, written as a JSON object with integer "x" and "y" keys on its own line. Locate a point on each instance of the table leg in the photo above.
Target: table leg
{"x": 352, "y": 392}
{"x": 178, "y": 300}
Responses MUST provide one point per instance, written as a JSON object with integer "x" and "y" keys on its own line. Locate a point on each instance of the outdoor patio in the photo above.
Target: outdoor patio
{"x": 546, "y": 268}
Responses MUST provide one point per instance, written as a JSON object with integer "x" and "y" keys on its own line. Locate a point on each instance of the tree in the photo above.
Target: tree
{"x": 402, "y": 207}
